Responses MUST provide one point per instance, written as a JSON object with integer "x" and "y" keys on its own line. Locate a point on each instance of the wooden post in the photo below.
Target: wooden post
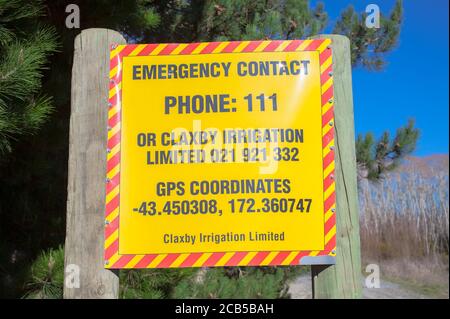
{"x": 87, "y": 167}
{"x": 343, "y": 280}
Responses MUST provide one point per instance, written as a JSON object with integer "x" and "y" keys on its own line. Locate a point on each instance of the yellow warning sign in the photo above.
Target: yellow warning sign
{"x": 224, "y": 152}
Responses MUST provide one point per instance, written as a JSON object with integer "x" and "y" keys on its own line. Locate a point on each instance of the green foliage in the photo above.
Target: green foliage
{"x": 228, "y": 282}
{"x": 24, "y": 49}
{"x": 368, "y": 45}
{"x": 253, "y": 20}
{"x": 238, "y": 282}
{"x": 216, "y": 284}
{"x": 46, "y": 277}
{"x": 377, "y": 157}
{"x": 135, "y": 19}
{"x": 222, "y": 20}
{"x": 151, "y": 283}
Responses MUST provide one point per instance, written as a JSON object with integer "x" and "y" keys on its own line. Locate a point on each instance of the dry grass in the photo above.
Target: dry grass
{"x": 405, "y": 225}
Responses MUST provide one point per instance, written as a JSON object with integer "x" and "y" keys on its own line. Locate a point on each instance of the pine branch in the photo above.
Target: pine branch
{"x": 24, "y": 50}
{"x": 376, "y": 158}
{"x": 369, "y": 45}
{"x": 46, "y": 276}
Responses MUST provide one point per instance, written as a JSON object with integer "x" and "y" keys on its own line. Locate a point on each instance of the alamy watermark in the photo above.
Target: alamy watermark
{"x": 72, "y": 276}
{"x": 73, "y": 19}
{"x": 373, "y": 16}
{"x": 373, "y": 279}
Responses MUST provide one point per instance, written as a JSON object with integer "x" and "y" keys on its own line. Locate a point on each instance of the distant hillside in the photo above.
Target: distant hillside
{"x": 426, "y": 166}
{"x": 418, "y": 181}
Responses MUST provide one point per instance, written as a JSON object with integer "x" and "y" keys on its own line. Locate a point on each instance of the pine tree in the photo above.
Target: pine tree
{"x": 368, "y": 48}
{"x": 375, "y": 158}
{"x": 46, "y": 276}
{"x": 24, "y": 48}
{"x": 255, "y": 20}
{"x": 368, "y": 45}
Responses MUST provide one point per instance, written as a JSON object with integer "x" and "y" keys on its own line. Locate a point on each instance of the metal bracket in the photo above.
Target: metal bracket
{"x": 317, "y": 260}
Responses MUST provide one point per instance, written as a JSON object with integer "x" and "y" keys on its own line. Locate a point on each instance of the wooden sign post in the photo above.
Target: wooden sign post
{"x": 87, "y": 166}
{"x": 343, "y": 280}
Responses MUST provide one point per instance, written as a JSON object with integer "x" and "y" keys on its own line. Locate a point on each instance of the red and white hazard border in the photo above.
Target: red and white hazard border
{"x": 251, "y": 258}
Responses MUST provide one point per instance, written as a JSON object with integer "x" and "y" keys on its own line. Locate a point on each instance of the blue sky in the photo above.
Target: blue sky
{"x": 415, "y": 82}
